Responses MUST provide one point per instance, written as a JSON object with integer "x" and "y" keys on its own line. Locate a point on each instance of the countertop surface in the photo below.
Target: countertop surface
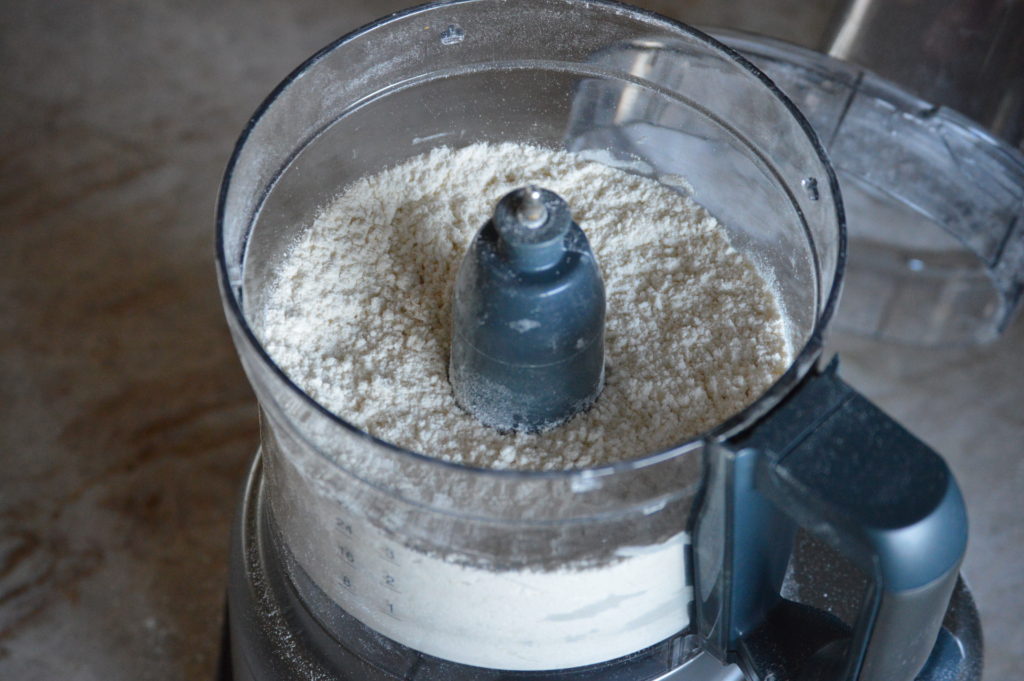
{"x": 125, "y": 420}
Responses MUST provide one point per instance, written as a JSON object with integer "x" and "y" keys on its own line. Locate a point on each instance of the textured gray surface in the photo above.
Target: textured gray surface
{"x": 125, "y": 421}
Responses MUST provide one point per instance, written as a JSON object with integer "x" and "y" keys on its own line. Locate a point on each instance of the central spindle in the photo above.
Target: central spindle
{"x": 527, "y": 348}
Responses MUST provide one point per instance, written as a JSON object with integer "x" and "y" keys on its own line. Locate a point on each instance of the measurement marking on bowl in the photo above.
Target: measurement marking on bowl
{"x": 453, "y": 35}
{"x": 810, "y": 185}
{"x": 389, "y": 582}
{"x": 389, "y": 555}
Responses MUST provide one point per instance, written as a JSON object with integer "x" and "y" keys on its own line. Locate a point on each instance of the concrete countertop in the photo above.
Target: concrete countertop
{"x": 125, "y": 420}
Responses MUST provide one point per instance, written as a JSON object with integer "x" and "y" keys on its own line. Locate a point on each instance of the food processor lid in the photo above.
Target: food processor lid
{"x": 934, "y": 203}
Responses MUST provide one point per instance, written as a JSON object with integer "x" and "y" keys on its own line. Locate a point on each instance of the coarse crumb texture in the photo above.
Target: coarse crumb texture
{"x": 359, "y": 317}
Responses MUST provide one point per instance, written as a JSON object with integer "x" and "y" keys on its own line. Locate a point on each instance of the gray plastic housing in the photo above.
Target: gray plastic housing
{"x": 528, "y": 321}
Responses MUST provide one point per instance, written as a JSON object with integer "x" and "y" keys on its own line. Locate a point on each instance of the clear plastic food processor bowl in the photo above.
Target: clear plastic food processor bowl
{"x": 505, "y": 569}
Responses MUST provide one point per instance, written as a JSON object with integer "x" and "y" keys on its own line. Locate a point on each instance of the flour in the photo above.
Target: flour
{"x": 358, "y": 315}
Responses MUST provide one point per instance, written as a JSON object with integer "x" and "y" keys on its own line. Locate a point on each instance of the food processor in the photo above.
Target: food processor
{"x": 806, "y": 537}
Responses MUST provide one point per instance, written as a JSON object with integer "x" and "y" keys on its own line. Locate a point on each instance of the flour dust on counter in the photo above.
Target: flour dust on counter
{"x": 359, "y": 312}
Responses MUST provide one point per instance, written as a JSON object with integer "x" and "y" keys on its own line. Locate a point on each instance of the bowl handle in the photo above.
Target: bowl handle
{"x": 828, "y": 461}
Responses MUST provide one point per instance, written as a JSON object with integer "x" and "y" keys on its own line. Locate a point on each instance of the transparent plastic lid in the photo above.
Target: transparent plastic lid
{"x": 934, "y": 203}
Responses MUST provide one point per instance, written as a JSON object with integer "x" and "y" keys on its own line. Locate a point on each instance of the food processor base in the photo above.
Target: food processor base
{"x": 270, "y": 634}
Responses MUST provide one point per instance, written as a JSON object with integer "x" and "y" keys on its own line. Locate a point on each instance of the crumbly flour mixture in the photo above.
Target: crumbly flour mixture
{"x": 359, "y": 313}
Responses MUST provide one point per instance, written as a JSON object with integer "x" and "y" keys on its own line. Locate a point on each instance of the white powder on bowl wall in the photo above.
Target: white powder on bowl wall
{"x": 358, "y": 314}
